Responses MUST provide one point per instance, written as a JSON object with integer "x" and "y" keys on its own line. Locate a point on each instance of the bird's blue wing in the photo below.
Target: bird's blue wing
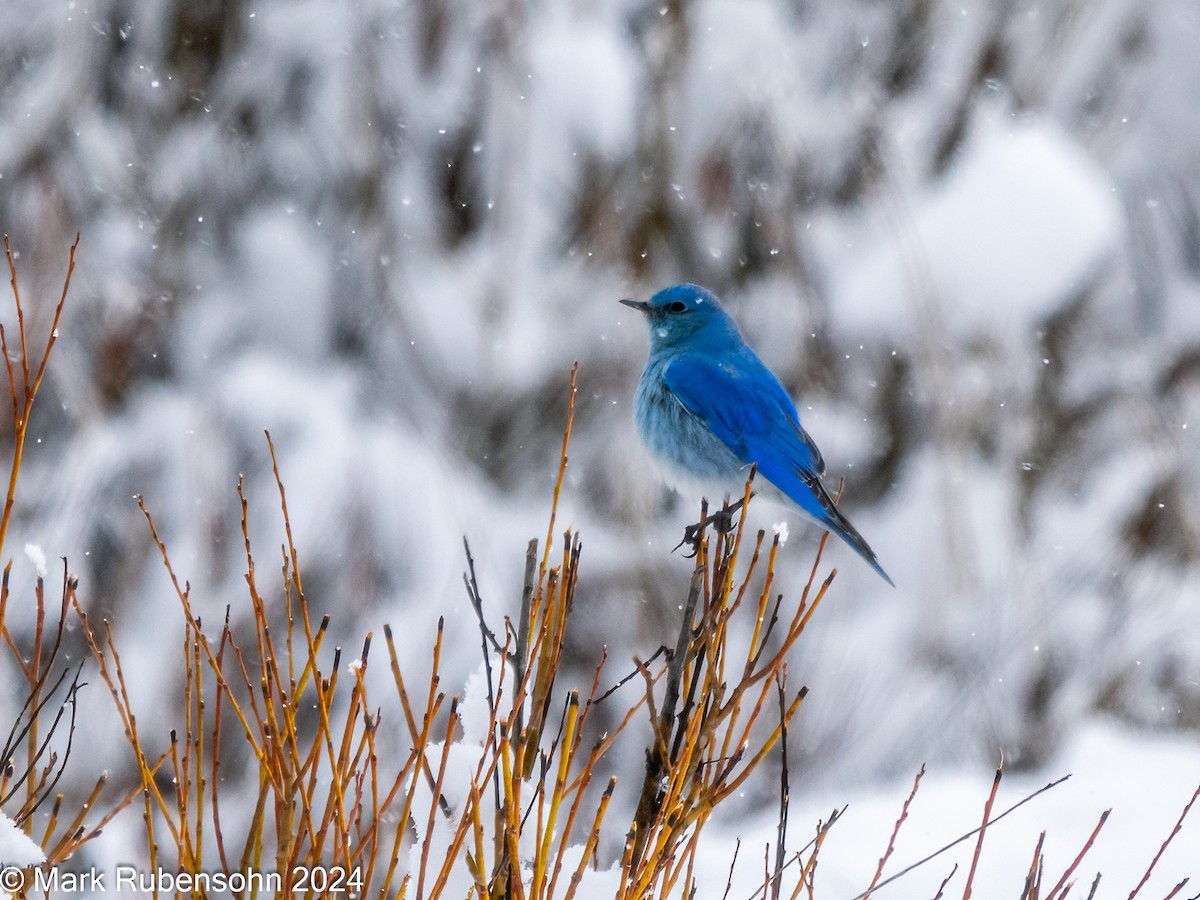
{"x": 748, "y": 410}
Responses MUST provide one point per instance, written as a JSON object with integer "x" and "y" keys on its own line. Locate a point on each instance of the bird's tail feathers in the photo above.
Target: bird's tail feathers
{"x": 840, "y": 525}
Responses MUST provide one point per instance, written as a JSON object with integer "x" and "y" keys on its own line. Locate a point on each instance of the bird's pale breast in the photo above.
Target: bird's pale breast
{"x": 682, "y": 442}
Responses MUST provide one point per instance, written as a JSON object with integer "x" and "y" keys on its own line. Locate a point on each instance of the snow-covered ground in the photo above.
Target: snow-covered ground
{"x": 1144, "y": 779}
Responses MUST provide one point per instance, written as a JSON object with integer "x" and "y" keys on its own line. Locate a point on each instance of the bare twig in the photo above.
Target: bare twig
{"x": 784, "y": 788}
{"x": 1163, "y": 849}
{"x": 1087, "y": 845}
{"x": 632, "y": 675}
{"x": 965, "y": 837}
{"x": 28, "y": 390}
{"x": 981, "y": 831}
{"x": 891, "y": 847}
{"x": 941, "y": 891}
{"x": 1033, "y": 878}
{"x": 732, "y": 864}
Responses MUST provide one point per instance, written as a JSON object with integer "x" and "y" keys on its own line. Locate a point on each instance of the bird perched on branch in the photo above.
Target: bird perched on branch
{"x": 708, "y": 408}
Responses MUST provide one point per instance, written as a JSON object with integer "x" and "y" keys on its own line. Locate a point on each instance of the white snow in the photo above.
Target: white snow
{"x": 287, "y": 271}
{"x": 1144, "y": 778}
{"x": 582, "y": 82}
{"x": 780, "y": 530}
{"x": 37, "y": 556}
{"x": 1024, "y": 220}
{"x": 16, "y": 849}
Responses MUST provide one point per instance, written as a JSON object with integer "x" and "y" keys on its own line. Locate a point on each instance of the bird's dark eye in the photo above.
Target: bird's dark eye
{"x": 677, "y": 306}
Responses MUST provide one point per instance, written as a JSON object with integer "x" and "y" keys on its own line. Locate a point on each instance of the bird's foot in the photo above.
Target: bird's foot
{"x": 691, "y": 537}
{"x": 721, "y": 521}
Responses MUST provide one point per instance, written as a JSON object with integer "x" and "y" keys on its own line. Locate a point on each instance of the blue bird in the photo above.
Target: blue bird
{"x": 708, "y": 408}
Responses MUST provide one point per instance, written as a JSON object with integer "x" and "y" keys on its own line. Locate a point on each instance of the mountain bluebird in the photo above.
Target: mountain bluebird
{"x": 707, "y": 407}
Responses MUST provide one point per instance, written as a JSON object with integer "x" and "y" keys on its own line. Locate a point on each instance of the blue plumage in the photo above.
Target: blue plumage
{"x": 707, "y": 407}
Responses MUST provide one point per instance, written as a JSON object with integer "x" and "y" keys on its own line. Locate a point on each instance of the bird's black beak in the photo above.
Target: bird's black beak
{"x": 640, "y": 305}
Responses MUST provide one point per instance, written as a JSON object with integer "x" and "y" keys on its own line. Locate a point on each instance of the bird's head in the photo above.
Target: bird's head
{"x": 686, "y": 314}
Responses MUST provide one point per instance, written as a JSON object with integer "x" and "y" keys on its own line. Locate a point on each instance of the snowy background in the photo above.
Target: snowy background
{"x": 966, "y": 236}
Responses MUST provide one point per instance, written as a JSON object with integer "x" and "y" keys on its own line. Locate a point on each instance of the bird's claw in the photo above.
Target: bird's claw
{"x": 691, "y": 537}
{"x": 721, "y": 521}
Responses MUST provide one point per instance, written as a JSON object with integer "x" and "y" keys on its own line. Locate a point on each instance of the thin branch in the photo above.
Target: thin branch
{"x": 891, "y": 847}
{"x": 965, "y": 837}
{"x": 784, "y": 788}
{"x": 1062, "y": 882}
{"x": 1163, "y": 849}
{"x": 628, "y": 678}
{"x": 987, "y": 811}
